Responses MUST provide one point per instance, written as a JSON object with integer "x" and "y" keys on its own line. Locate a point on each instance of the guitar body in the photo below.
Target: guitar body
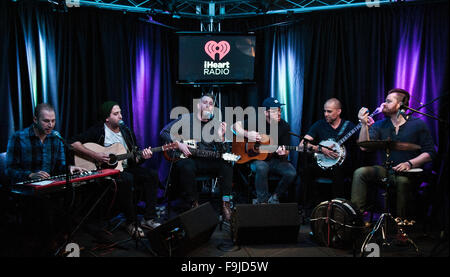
{"x": 114, "y": 150}
{"x": 249, "y": 151}
{"x": 175, "y": 154}
{"x": 325, "y": 162}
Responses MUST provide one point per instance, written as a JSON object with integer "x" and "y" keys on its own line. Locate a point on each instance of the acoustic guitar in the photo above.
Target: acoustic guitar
{"x": 117, "y": 153}
{"x": 260, "y": 150}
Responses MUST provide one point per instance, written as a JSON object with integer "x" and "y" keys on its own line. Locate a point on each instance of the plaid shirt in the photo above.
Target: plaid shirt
{"x": 26, "y": 154}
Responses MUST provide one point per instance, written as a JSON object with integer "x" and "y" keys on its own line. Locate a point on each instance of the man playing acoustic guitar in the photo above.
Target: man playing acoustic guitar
{"x": 276, "y": 163}
{"x": 112, "y": 131}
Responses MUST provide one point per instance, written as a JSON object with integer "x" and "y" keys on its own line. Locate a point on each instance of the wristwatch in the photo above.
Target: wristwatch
{"x": 319, "y": 149}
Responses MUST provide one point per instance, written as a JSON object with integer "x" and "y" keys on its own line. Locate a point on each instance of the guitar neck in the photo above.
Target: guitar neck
{"x": 292, "y": 147}
{"x": 349, "y": 134}
{"x": 205, "y": 153}
{"x": 275, "y": 147}
{"x": 138, "y": 153}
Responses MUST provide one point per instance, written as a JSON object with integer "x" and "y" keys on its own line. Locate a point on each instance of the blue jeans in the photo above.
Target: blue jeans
{"x": 262, "y": 169}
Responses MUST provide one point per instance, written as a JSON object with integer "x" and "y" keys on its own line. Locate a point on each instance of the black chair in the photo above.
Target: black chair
{"x": 3, "y": 179}
{"x": 247, "y": 177}
{"x": 10, "y": 203}
{"x": 4, "y": 183}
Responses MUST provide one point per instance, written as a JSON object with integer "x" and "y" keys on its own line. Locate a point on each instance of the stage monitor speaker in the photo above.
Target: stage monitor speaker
{"x": 184, "y": 233}
{"x": 266, "y": 223}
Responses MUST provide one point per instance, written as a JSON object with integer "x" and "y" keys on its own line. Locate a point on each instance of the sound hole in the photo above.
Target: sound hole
{"x": 112, "y": 159}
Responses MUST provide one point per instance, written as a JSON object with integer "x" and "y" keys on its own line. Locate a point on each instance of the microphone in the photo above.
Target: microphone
{"x": 58, "y": 135}
{"x": 208, "y": 115}
{"x": 122, "y": 124}
{"x": 402, "y": 111}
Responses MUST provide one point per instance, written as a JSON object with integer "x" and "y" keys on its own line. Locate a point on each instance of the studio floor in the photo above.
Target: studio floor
{"x": 107, "y": 239}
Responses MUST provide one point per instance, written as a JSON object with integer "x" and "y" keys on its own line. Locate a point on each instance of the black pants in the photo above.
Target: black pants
{"x": 135, "y": 179}
{"x": 187, "y": 169}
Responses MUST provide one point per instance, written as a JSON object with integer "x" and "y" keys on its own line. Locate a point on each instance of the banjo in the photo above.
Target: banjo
{"x": 325, "y": 162}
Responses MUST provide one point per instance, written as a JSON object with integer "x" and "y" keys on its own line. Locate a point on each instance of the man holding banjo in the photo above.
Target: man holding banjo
{"x": 327, "y": 137}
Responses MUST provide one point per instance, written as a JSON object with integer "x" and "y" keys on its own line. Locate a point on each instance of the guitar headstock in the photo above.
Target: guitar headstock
{"x": 191, "y": 143}
{"x": 230, "y": 157}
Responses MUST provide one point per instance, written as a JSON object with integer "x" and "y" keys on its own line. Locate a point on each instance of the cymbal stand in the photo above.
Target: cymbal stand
{"x": 382, "y": 222}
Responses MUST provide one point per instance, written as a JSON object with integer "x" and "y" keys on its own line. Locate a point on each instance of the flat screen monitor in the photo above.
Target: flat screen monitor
{"x": 216, "y": 58}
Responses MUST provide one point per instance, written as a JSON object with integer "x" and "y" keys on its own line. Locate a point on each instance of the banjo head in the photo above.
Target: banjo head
{"x": 325, "y": 162}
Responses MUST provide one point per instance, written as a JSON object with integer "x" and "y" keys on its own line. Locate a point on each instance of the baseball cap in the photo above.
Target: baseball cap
{"x": 272, "y": 102}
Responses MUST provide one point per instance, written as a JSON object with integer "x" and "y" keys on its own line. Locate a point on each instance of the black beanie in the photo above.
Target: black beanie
{"x": 105, "y": 109}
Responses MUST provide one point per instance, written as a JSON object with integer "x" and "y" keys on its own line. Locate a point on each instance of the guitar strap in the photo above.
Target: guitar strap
{"x": 344, "y": 126}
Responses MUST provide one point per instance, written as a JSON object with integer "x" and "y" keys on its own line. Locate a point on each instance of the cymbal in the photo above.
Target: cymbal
{"x": 388, "y": 144}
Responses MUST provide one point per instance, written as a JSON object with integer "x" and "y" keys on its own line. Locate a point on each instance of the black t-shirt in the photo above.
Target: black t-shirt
{"x": 413, "y": 131}
{"x": 283, "y": 131}
{"x": 322, "y": 130}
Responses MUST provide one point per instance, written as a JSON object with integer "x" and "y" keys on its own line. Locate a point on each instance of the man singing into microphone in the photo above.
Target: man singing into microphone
{"x": 36, "y": 152}
{"x": 396, "y": 128}
{"x": 196, "y": 125}
{"x": 110, "y": 131}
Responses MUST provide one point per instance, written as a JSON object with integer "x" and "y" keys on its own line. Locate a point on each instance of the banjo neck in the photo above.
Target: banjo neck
{"x": 357, "y": 127}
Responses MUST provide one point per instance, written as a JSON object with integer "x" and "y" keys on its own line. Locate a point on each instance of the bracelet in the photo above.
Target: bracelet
{"x": 410, "y": 164}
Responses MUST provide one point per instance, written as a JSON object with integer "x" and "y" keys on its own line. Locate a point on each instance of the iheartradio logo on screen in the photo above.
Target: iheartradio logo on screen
{"x": 216, "y": 68}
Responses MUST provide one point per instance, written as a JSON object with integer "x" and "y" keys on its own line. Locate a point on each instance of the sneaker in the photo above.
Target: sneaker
{"x": 273, "y": 199}
{"x": 255, "y": 201}
{"x": 194, "y": 204}
{"x": 135, "y": 233}
{"x": 150, "y": 224}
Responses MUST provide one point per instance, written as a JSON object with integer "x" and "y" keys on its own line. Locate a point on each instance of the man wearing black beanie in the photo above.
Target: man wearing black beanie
{"x": 111, "y": 131}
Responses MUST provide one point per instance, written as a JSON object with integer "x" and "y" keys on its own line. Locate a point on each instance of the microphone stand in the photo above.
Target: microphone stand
{"x": 427, "y": 115}
{"x": 137, "y": 224}
{"x": 68, "y": 150}
{"x": 311, "y": 142}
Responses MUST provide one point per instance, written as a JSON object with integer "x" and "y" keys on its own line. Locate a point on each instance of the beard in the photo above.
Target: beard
{"x": 388, "y": 112}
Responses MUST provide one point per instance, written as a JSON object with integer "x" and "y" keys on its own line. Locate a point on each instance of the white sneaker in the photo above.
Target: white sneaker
{"x": 274, "y": 199}
{"x": 150, "y": 224}
{"x": 133, "y": 233}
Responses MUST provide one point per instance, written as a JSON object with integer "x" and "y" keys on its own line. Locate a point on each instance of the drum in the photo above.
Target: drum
{"x": 337, "y": 223}
{"x": 412, "y": 173}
